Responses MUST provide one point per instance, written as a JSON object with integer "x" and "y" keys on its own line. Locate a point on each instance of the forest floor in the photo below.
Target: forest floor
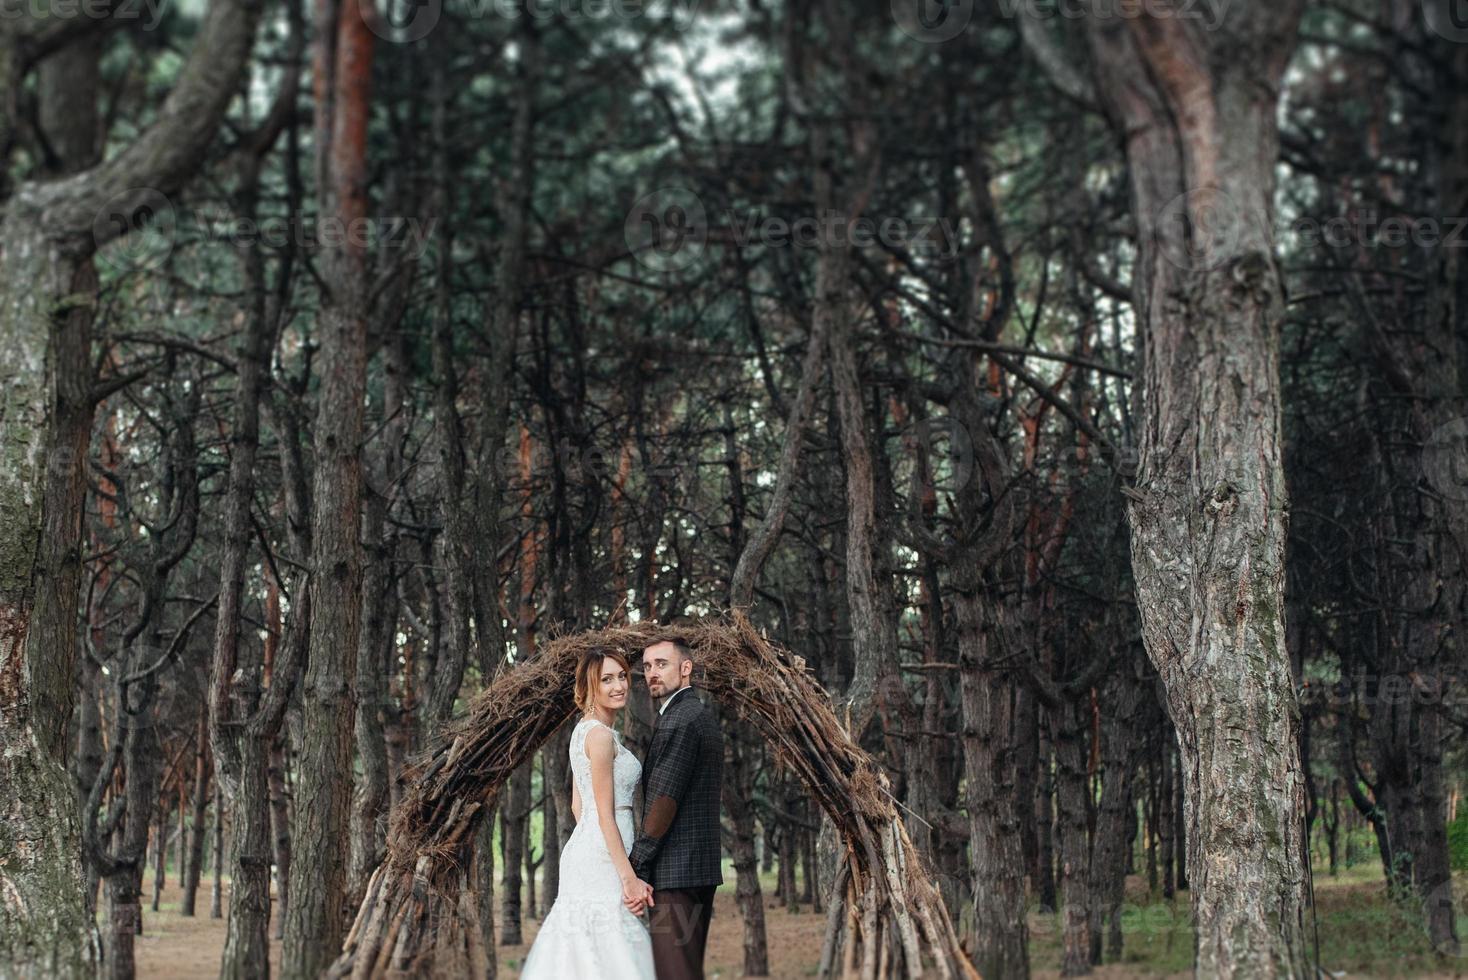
{"x": 1361, "y": 935}
{"x": 173, "y": 947}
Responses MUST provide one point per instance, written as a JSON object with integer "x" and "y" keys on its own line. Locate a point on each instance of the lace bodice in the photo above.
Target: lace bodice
{"x": 626, "y": 772}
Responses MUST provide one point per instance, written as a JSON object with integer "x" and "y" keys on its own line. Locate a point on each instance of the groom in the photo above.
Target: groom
{"x": 678, "y": 851}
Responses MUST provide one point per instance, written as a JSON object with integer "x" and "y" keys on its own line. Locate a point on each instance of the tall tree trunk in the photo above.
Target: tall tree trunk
{"x": 1165, "y": 816}
{"x": 246, "y": 953}
{"x": 1116, "y": 809}
{"x": 873, "y": 629}
{"x": 280, "y": 826}
{"x": 1197, "y": 113}
{"x": 45, "y": 417}
{"x": 1422, "y": 545}
{"x": 550, "y": 822}
{"x": 998, "y": 932}
{"x": 1027, "y": 769}
{"x": 247, "y": 688}
{"x": 379, "y": 613}
{"x": 369, "y": 833}
{"x": 123, "y": 883}
{"x": 160, "y": 855}
{"x": 47, "y": 295}
{"x": 135, "y": 740}
{"x": 1044, "y": 810}
{"x": 199, "y": 807}
{"x": 316, "y": 917}
{"x": 216, "y": 856}
{"x": 1072, "y": 800}
{"x": 515, "y": 815}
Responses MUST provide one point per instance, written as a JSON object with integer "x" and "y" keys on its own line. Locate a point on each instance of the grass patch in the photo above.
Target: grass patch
{"x": 1363, "y": 933}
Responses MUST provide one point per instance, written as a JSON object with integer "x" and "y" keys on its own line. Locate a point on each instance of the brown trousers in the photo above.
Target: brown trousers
{"x": 679, "y": 922}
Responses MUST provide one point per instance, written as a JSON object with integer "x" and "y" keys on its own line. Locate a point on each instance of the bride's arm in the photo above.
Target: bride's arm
{"x": 602, "y": 752}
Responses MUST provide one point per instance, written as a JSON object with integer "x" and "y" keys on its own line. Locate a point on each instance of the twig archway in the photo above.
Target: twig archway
{"x": 419, "y": 916}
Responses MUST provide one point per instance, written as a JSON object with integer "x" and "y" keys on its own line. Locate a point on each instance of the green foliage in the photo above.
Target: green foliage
{"x": 1458, "y": 841}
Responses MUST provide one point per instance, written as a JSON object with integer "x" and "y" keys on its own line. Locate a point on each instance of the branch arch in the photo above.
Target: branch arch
{"x": 419, "y": 915}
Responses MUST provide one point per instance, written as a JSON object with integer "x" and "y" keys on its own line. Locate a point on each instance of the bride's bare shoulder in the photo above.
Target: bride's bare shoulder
{"x": 599, "y": 740}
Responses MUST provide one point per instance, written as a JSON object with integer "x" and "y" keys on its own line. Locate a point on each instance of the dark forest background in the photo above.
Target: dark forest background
{"x": 1112, "y": 481}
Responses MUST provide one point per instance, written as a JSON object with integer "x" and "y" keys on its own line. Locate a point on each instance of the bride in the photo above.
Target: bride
{"x": 588, "y": 931}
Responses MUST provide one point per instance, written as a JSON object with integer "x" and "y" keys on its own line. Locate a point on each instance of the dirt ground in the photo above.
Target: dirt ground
{"x": 1356, "y": 940}
{"x": 176, "y": 948}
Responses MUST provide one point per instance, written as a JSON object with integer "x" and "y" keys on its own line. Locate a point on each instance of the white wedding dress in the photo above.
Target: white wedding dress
{"x": 588, "y": 933}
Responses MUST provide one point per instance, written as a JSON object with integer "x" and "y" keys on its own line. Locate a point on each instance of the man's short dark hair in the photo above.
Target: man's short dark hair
{"x": 678, "y": 638}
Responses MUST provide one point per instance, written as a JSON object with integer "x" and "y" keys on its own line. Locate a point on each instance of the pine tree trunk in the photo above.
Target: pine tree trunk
{"x": 197, "y": 828}
{"x": 550, "y": 884}
{"x": 998, "y": 934}
{"x": 369, "y": 833}
{"x": 246, "y": 948}
{"x": 316, "y": 919}
{"x": 280, "y": 824}
{"x": 46, "y": 315}
{"x": 1072, "y": 794}
{"x": 737, "y": 792}
{"x": 514, "y": 815}
{"x": 1044, "y": 810}
{"x": 532, "y": 863}
{"x": 47, "y": 292}
{"x": 45, "y": 929}
{"x": 558, "y": 821}
{"x": 216, "y": 856}
{"x": 1197, "y": 111}
{"x": 1165, "y": 816}
{"x": 248, "y": 689}
{"x": 484, "y": 892}
{"x": 160, "y": 857}
{"x": 1116, "y": 811}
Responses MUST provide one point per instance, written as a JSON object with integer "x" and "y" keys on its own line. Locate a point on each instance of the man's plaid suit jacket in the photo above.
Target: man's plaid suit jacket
{"x": 678, "y": 846}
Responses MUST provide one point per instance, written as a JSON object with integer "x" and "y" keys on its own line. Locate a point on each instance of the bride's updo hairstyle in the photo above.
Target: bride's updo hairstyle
{"x": 588, "y": 674}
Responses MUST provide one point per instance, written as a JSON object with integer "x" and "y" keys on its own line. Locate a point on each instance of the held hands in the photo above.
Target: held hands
{"x": 636, "y": 894}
